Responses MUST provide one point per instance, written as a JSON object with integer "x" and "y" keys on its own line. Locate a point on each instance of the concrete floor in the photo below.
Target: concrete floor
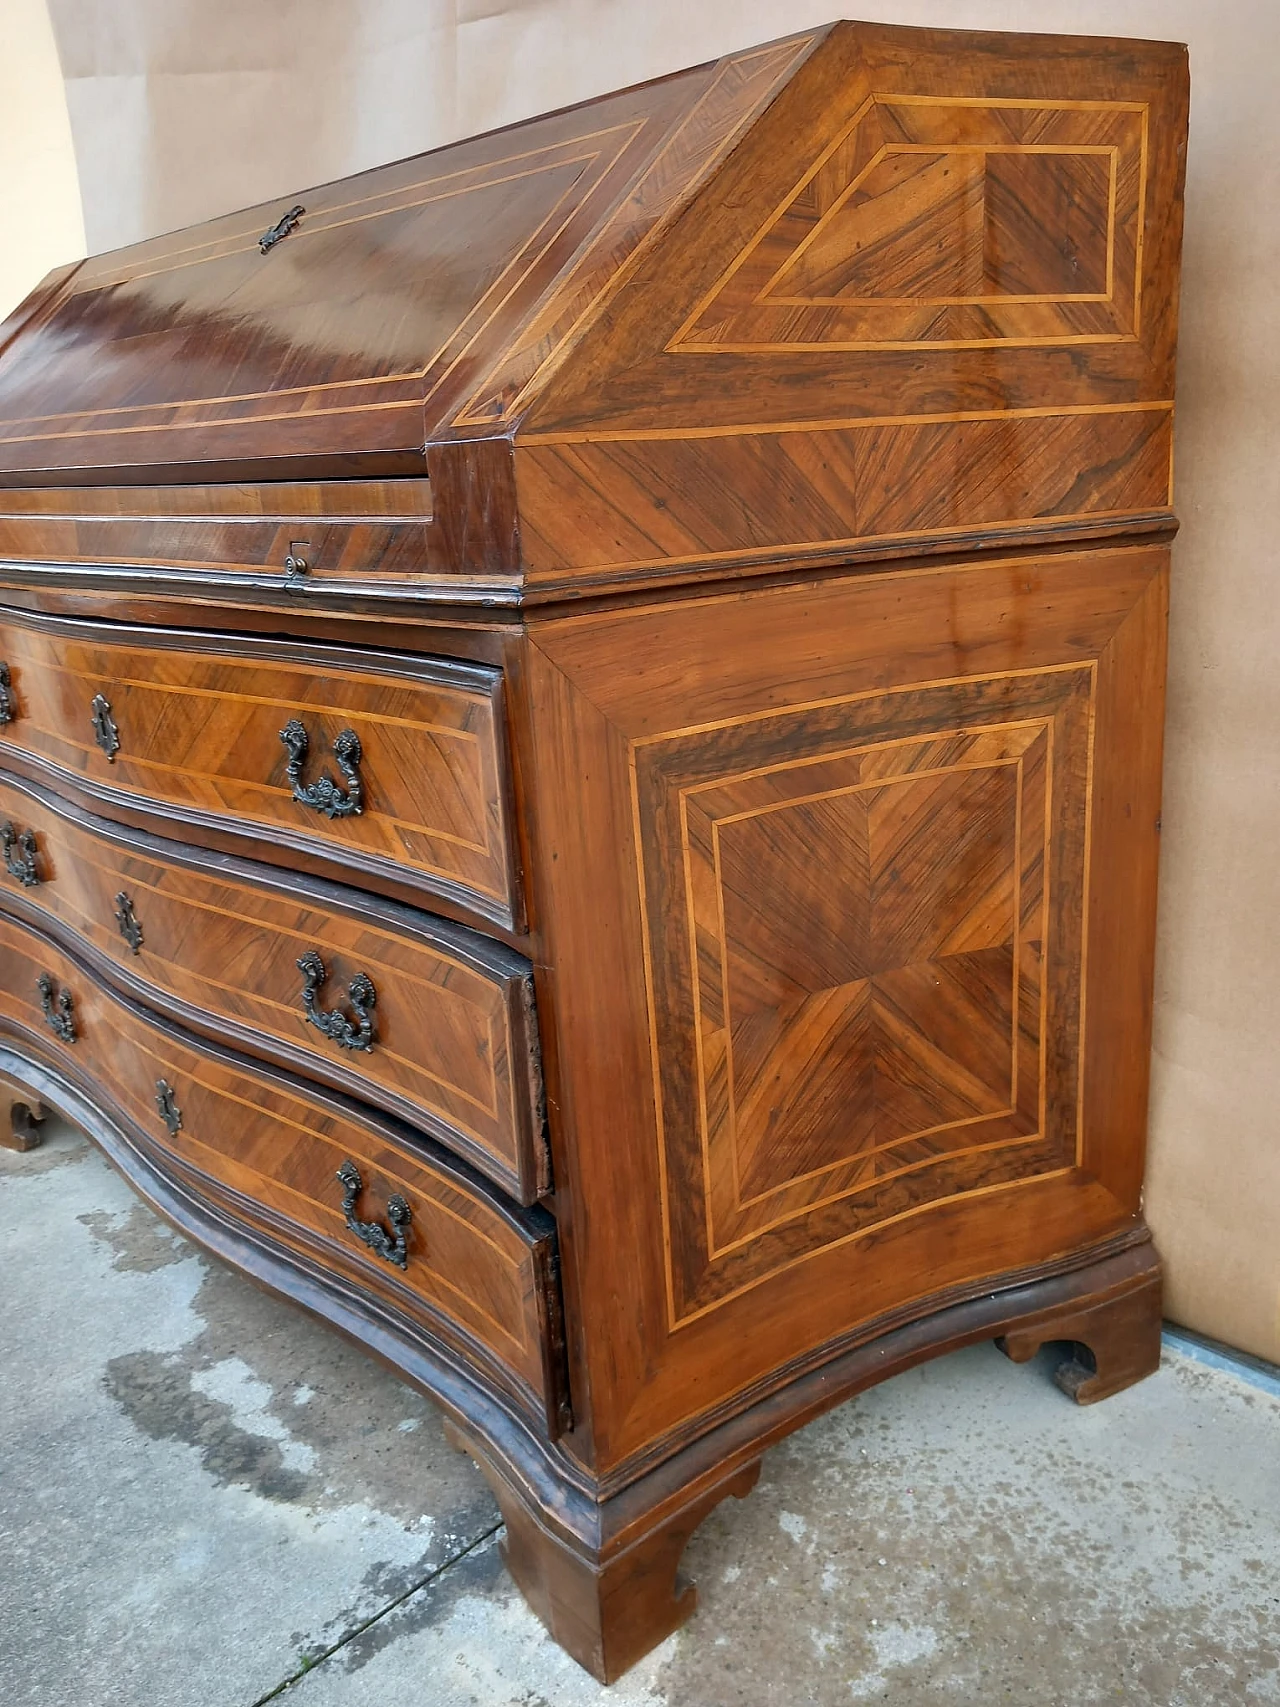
{"x": 208, "y": 1500}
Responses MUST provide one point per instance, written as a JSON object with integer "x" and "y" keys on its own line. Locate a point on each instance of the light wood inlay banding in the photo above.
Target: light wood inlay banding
{"x": 200, "y": 743}
{"x": 454, "y": 1041}
{"x": 876, "y": 1027}
{"x": 474, "y": 1271}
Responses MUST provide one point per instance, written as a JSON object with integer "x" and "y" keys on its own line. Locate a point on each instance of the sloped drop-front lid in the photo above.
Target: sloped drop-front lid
{"x": 863, "y": 291}
{"x": 385, "y": 302}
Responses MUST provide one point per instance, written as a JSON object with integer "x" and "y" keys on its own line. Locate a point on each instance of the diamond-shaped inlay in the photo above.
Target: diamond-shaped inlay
{"x": 961, "y": 226}
{"x": 865, "y": 938}
{"x": 943, "y": 223}
{"x": 878, "y": 1002}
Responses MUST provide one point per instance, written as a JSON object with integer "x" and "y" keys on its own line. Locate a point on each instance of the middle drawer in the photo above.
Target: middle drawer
{"x": 417, "y": 1015}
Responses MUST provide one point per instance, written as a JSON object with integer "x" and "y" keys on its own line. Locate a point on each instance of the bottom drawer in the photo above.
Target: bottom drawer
{"x": 350, "y": 1190}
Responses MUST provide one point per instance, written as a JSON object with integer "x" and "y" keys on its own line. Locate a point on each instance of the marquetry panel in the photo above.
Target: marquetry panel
{"x": 865, "y": 939}
{"x": 932, "y": 293}
{"x": 648, "y": 501}
{"x": 734, "y": 94}
{"x": 430, "y": 287}
{"x": 947, "y": 222}
{"x": 199, "y": 746}
{"x": 454, "y": 1043}
{"x": 477, "y": 1273}
{"x": 352, "y": 347}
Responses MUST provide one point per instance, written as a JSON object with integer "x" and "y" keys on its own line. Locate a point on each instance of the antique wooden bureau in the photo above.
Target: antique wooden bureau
{"x": 580, "y": 732}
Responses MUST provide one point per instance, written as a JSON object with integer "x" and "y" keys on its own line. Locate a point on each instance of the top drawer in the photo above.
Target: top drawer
{"x": 374, "y": 767}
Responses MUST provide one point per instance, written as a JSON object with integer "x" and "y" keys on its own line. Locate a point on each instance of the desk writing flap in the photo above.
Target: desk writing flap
{"x": 865, "y": 284}
{"x": 326, "y": 333}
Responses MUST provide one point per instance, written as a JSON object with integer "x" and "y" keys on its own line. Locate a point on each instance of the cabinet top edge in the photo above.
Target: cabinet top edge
{"x": 774, "y": 304}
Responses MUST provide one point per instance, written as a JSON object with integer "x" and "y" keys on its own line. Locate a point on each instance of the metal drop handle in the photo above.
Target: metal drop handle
{"x": 21, "y": 865}
{"x": 59, "y": 1010}
{"x": 324, "y": 796}
{"x": 336, "y": 1026}
{"x": 392, "y": 1246}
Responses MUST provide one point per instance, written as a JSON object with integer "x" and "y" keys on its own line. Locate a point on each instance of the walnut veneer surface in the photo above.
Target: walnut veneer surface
{"x": 580, "y": 733}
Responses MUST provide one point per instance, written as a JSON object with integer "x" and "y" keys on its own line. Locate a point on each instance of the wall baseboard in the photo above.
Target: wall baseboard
{"x": 1256, "y": 1371}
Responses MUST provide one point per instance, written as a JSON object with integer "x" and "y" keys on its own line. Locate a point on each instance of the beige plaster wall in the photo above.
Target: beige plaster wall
{"x": 186, "y": 108}
{"x": 40, "y": 221}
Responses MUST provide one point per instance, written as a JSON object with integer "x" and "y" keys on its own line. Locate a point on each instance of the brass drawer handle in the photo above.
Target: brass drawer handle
{"x": 59, "y": 1010}
{"x": 127, "y": 922}
{"x": 8, "y": 710}
{"x": 167, "y": 1108}
{"x": 335, "y": 1025}
{"x": 392, "y": 1246}
{"x": 325, "y": 795}
{"x": 22, "y": 865}
{"x": 105, "y": 732}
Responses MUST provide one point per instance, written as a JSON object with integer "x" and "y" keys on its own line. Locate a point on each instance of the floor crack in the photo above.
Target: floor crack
{"x": 359, "y": 1629}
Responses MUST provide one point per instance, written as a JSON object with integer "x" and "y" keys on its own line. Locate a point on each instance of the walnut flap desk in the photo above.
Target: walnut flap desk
{"x": 580, "y": 732}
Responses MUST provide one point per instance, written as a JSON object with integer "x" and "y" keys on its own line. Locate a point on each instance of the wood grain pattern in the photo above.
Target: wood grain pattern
{"x": 922, "y": 240}
{"x": 930, "y": 223}
{"x": 736, "y": 515}
{"x": 608, "y": 1613}
{"x": 736, "y": 91}
{"x": 764, "y": 710}
{"x": 294, "y": 387}
{"x": 317, "y": 500}
{"x": 365, "y": 528}
{"x": 951, "y": 94}
{"x": 606, "y": 1594}
{"x": 877, "y": 1038}
{"x": 653, "y": 500}
{"x": 200, "y": 745}
{"x": 477, "y": 1271}
{"x": 455, "y": 1038}
{"x": 863, "y": 284}
{"x": 434, "y": 285}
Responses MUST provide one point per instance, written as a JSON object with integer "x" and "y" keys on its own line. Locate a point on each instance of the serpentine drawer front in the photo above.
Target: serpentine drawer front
{"x": 703, "y": 557}
{"x": 474, "y": 1271}
{"x": 365, "y": 765}
{"x": 440, "y": 1029}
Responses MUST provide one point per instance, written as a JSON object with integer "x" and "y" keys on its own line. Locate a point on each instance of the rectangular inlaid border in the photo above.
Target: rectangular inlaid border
{"x": 679, "y": 1313}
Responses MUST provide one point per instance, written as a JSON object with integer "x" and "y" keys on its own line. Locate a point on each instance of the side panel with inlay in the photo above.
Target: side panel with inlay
{"x": 856, "y": 1024}
{"x": 933, "y": 295}
{"x": 860, "y": 941}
